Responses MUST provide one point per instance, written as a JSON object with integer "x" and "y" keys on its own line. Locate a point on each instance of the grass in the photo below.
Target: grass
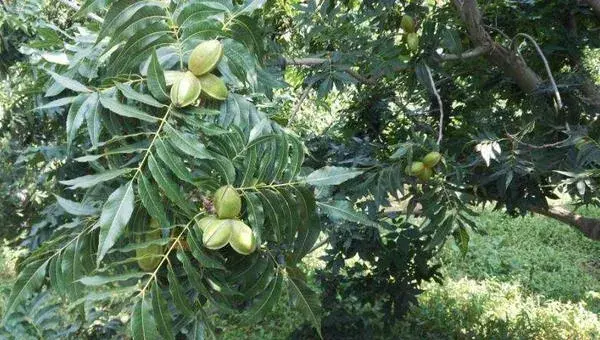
{"x": 488, "y": 309}
{"x": 543, "y": 256}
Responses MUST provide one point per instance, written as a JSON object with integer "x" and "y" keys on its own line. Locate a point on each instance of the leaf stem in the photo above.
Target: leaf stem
{"x": 166, "y": 255}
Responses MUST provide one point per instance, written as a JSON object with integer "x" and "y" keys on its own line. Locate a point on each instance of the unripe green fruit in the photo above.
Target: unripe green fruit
{"x": 149, "y": 258}
{"x": 581, "y": 142}
{"x": 217, "y": 234}
{"x": 205, "y": 57}
{"x": 213, "y": 86}
{"x": 227, "y": 202}
{"x": 412, "y": 40}
{"x": 432, "y": 159}
{"x": 408, "y": 24}
{"x": 416, "y": 168}
{"x": 242, "y": 238}
{"x": 171, "y": 77}
{"x": 186, "y": 90}
{"x": 425, "y": 174}
{"x": 204, "y": 222}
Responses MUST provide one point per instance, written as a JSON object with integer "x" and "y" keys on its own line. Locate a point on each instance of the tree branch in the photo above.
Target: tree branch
{"x": 305, "y": 61}
{"x": 440, "y": 104}
{"x": 299, "y": 104}
{"x": 320, "y": 61}
{"x": 474, "y": 53}
{"x": 558, "y": 144}
{"x": 590, "y": 227}
{"x": 511, "y": 63}
{"x": 546, "y": 65}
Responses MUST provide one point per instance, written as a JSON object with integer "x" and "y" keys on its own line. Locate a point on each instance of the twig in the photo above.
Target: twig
{"x": 440, "y": 104}
{"x": 299, "y": 104}
{"x": 546, "y": 65}
{"x": 537, "y": 147}
{"x": 74, "y": 6}
{"x": 305, "y": 61}
{"x": 320, "y": 61}
{"x": 357, "y": 76}
{"x": 476, "y": 52}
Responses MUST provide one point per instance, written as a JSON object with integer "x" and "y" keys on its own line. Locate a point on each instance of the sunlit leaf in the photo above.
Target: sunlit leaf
{"x": 331, "y": 175}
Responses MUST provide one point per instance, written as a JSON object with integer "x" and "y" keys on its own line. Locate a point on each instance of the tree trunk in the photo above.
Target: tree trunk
{"x": 513, "y": 65}
{"x": 595, "y": 4}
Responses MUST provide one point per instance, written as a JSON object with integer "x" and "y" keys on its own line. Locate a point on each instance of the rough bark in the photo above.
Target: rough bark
{"x": 595, "y": 4}
{"x": 590, "y": 227}
{"x": 512, "y": 64}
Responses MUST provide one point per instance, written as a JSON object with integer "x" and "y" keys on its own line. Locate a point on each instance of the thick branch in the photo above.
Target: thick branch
{"x": 513, "y": 65}
{"x": 590, "y": 227}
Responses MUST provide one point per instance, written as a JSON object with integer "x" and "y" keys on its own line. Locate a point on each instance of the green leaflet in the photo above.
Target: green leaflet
{"x": 89, "y": 181}
{"x": 266, "y": 300}
{"x": 187, "y": 143}
{"x": 305, "y": 298}
{"x": 139, "y": 47}
{"x": 310, "y": 228}
{"x": 125, "y": 149}
{"x": 168, "y": 186}
{"x": 156, "y": 80}
{"x": 194, "y": 274}
{"x": 120, "y": 13}
{"x": 30, "y": 280}
{"x": 256, "y": 215}
{"x": 345, "y": 211}
{"x": 166, "y": 153}
{"x": 75, "y": 208}
{"x": 57, "y": 103}
{"x": 162, "y": 316}
{"x": 143, "y": 325}
{"x": 179, "y": 296}
{"x": 68, "y": 83}
{"x": 126, "y": 110}
{"x": 132, "y": 94}
{"x": 103, "y": 280}
{"x": 116, "y": 212}
{"x": 72, "y": 268}
{"x": 151, "y": 200}
{"x": 262, "y": 281}
{"x": 92, "y": 116}
{"x": 75, "y": 117}
{"x": 331, "y": 175}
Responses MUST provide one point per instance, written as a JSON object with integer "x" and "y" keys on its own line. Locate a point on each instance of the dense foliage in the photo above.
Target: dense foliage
{"x": 140, "y": 158}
